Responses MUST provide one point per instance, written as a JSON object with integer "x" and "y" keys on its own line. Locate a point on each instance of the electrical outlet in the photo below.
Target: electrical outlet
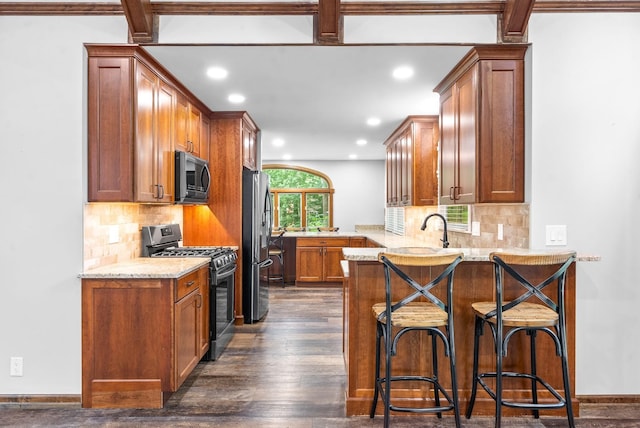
{"x": 16, "y": 366}
{"x": 475, "y": 228}
{"x": 556, "y": 235}
{"x": 114, "y": 234}
{"x": 500, "y": 232}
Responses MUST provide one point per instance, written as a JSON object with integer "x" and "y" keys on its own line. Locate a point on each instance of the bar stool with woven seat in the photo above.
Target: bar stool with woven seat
{"x": 412, "y": 307}
{"x": 517, "y": 313}
{"x": 276, "y": 250}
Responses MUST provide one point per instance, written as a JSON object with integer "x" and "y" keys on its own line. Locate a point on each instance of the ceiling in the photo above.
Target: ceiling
{"x": 316, "y": 98}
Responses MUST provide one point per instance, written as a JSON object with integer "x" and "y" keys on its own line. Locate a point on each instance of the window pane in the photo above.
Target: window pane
{"x": 295, "y": 179}
{"x": 289, "y": 209}
{"x": 317, "y": 209}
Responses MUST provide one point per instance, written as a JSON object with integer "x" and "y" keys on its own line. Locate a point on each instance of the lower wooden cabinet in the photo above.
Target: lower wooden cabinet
{"x": 141, "y": 338}
{"x": 318, "y": 259}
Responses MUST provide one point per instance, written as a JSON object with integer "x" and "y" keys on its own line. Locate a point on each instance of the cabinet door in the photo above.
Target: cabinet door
{"x": 332, "y": 268}
{"x": 448, "y": 147}
{"x": 203, "y": 326}
{"x": 310, "y": 264}
{"x": 187, "y": 341}
{"x": 425, "y": 162}
{"x": 467, "y": 136}
{"x": 194, "y": 129}
{"x": 165, "y": 160}
{"x": 391, "y": 190}
{"x": 405, "y": 169}
{"x": 181, "y": 116}
{"x": 110, "y": 130}
{"x": 249, "y": 146}
{"x": 146, "y": 188}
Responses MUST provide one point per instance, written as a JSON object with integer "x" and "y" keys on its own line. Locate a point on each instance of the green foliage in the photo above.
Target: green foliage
{"x": 295, "y": 179}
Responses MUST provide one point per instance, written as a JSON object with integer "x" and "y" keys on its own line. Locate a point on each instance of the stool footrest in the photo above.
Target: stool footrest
{"x": 432, "y": 409}
{"x": 520, "y": 404}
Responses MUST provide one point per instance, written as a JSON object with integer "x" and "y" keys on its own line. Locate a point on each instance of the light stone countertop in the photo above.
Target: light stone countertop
{"x": 390, "y": 241}
{"x": 148, "y": 267}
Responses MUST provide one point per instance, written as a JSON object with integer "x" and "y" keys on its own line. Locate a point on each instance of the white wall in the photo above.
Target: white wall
{"x": 585, "y": 141}
{"x": 359, "y": 198}
{"x": 42, "y": 150}
{"x": 586, "y": 149}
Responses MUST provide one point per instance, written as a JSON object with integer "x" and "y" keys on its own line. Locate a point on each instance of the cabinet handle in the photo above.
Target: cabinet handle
{"x": 190, "y": 283}
{"x": 199, "y": 301}
{"x": 456, "y": 193}
{"x": 451, "y": 196}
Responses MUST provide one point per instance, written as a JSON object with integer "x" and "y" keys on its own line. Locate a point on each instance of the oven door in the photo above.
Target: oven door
{"x": 221, "y": 310}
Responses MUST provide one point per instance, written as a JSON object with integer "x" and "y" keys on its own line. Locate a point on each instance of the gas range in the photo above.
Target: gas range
{"x": 164, "y": 241}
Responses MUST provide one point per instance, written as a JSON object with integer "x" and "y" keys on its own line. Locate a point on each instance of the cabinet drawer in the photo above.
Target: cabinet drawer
{"x": 323, "y": 242}
{"x": 187, "y": 284}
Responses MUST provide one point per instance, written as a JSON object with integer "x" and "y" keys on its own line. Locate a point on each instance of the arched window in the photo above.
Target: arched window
{"x": 302, "y": 197}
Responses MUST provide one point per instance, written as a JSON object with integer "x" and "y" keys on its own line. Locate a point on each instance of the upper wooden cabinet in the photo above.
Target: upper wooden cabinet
{"x": 412, "y": 162}
{"x": 482, "y": 127}
{"x": 136, "y": 113}
{"x": 250, "y": 144}
{"x": 189, "y": 127}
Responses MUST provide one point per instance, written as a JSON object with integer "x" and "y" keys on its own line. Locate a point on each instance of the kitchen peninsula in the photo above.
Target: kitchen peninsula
{"x": 364, "y": 286}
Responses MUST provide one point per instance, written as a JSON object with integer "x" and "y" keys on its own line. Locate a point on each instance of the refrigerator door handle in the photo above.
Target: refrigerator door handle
{"x": 265, "y": 263}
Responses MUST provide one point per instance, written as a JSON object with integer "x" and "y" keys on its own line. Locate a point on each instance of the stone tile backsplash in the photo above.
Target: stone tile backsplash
{"x": 103, "y": 221}
{"x": 513, "y": 217}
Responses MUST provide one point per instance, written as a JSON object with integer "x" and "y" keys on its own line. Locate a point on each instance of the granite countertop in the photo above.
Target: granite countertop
{"x": 397, "y": 243}
{"x": 148, "y": 267}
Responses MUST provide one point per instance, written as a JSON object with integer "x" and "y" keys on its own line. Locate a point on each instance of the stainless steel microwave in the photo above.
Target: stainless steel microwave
{"x": 192, "y": 179}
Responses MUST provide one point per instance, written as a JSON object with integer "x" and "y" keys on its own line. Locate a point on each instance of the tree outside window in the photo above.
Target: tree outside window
{"x": 301, "y": 197}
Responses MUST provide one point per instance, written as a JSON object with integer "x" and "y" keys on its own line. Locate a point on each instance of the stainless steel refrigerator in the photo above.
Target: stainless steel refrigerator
{"x": 256, "y": 230}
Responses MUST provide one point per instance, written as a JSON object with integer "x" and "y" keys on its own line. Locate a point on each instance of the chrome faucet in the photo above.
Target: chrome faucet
{"x": 445, "y": 240}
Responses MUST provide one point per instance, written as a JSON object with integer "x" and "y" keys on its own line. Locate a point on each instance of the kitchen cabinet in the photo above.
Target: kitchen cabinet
{"x": 482, "y": 127}
{"x": 153, "y": 159}
{"x": 141, "y": 337}
{"x": 318, "y": 259}
{"x": 189, "y": 127}
{"x": 250, "y": 144}
{"x": 412, "y": 162}
{"x": 134, "y": 111}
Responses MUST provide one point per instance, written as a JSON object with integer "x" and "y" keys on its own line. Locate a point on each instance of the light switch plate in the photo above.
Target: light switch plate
{"x": 475, "y": 228}
{"x": 556, "y": 235}
{"x": 500, "y": 232}
{"x": 114, "y": 234}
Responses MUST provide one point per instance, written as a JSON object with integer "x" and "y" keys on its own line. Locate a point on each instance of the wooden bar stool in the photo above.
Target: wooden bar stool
{"x": 518, "y": 313}
{"x": 410, "y": 307}
{"x": 276, "y": 250}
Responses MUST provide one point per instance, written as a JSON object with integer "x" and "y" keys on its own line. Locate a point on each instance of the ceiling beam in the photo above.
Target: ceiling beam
{"x": 79, "y": 8}
{"x": 328, "y": 23}
{"x": 513, "y": 21}
{"x": 143, "y": 23}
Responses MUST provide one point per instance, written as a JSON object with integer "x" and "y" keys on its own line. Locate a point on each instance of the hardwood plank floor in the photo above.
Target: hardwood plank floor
{"x": 286, "y": 371}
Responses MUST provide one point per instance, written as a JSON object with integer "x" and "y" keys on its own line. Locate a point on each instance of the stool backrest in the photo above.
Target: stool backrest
{"x": 510, "y": 264}
{"x": 277, "y": 239}
{"x": 393, "y": 263}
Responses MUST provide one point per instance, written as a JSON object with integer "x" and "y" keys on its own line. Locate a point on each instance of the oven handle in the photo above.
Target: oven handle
{"x": 217, "y": 276}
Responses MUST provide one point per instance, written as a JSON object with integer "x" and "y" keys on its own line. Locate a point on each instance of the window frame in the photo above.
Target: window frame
{"x": 303, "y": 191}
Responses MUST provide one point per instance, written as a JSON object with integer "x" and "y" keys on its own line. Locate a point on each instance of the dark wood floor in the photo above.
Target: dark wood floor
{"x": 284, "y": 372}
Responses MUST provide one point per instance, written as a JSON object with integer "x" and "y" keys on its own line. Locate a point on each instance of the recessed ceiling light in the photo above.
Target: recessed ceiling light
{"x": 278, "y": 142}
{"x": 403, "y": 72}
{"x": 361, "y": 142}
{"x": 373, "y": 121}
{"x": 353, "y": 156}
{"x": 217, "y": 73}
{"x": 236, "y": 98}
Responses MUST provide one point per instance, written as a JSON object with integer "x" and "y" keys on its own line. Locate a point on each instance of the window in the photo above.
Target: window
{"x": 301, "y": 197}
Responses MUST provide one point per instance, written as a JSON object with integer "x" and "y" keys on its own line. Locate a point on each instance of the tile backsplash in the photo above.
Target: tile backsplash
{"x": 112, "y": 230}
{"x": 513, "y": 217}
